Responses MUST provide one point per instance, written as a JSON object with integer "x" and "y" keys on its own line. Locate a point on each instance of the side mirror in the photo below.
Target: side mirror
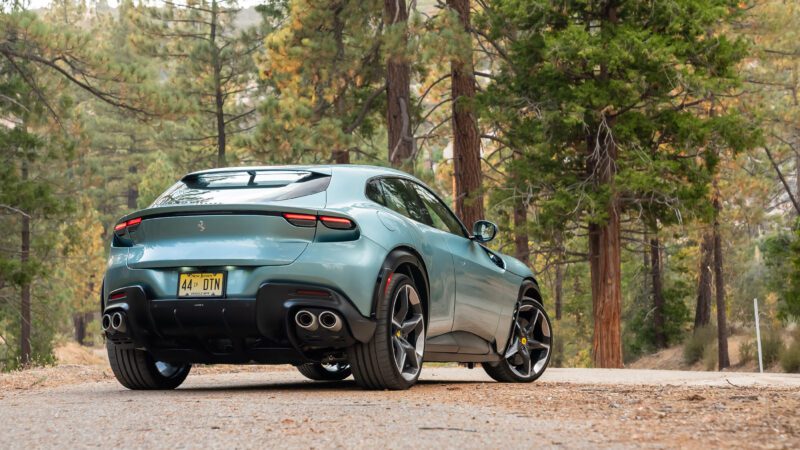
{"x": 483, "y": 231}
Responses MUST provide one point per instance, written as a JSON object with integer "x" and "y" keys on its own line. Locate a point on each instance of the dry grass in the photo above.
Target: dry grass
{"x": 672, "y": 359}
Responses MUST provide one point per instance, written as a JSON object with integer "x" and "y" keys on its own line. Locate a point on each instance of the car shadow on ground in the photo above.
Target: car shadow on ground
{"x": 315, "y": 386}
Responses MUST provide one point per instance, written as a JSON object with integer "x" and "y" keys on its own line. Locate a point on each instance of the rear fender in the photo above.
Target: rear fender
{"x": 403, "y": 259}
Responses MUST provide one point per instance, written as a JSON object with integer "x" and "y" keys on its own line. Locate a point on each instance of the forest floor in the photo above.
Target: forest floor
{"x": 80, "y": 405}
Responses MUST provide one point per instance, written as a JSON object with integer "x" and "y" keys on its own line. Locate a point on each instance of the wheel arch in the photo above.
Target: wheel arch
{"x": 406, "y": 260}
{"x": 530, "y": 288}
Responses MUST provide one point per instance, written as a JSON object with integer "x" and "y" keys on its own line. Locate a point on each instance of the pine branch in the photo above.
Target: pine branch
{"x": 783, "y": 180}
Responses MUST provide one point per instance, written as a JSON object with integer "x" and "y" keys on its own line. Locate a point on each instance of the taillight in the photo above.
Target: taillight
{"x": 338, "y": 223}
{"x": 120, "y": 227}
{"x": 301, "y": 220}
{"x": 310, "y": 220}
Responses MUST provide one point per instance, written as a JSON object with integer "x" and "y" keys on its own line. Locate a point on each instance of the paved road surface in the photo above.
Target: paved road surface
{"x": 450, "y": 408}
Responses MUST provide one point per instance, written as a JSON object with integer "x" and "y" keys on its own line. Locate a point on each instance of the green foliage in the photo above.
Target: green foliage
{"x": 618, "y": 79}
{"x": 210, "y": 68}
{"x": 790, "y": 358}
{"x": 710, "y": 357}
{"x": 160, "y": 174}
{"x": 790, "y": 307}
{"x": 772, "y": 346}
{"x": 747, "y": 352}
{"x": 695, "y": 346}
{"x": 326, "y": 65}
{"x": 782, "y": 259}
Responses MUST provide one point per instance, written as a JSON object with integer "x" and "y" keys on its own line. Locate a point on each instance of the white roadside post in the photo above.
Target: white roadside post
{"x": 758, "y": 336}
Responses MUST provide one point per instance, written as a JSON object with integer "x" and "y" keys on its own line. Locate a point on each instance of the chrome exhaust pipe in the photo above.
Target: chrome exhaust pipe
{"x": 105, "y": 322}
{"x": 118, "y": 322}
{"x": 306, "y": 320}
{"x": 330, "y": 321}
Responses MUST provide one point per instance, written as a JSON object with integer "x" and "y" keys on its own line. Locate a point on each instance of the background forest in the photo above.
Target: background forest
{"x": 642, "y": 156}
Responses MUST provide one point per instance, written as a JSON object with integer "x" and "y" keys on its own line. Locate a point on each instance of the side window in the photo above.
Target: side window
{"x": 442, "y": 218}
{"x": 401, "y": 197}
{"x": 374, "y": 192}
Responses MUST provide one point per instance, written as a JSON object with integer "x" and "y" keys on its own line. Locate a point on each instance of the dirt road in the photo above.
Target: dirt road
{"x": 450, "y": 408}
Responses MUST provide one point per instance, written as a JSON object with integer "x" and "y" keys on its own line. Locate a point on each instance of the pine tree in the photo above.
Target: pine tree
{"x": 398, "y": 83}
{"x": 324, "y": 65}
{"x": 606, "y": 98}
{"x": 212, "y": 68}
{"x": 466, "y": 136}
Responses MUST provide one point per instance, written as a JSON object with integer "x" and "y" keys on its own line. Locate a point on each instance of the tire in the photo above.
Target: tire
{"x": 537, "y": 343}
{"x": 376, "y": 364}
{"x": 137, "y": 370}
{"x": 319, "y": 372}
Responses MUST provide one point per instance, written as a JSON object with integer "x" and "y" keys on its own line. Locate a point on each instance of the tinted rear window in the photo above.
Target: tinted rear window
{"x": 243, "y": 187}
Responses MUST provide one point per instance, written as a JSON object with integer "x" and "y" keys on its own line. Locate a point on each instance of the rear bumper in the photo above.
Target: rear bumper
{"x": 236, "y": 330}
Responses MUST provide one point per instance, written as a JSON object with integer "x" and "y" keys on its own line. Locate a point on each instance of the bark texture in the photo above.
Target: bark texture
{"x": 80, "y": 320}
{"x": 559, "y": 290}
{"x": 702, "y": 314}
{"x": 719, "y": 287}
{"x": 25, "y": 291}
{"x": 660, "y": 337}
{"x": 466, "y": 138}
{"x": 339, "y": 155}
{"x": 219, "y": 98}
{"x": 133, "y": 190}
{"x": 604, "y": 259}
{"x": 521, "y": 248}
{"x": 398, "y": 91}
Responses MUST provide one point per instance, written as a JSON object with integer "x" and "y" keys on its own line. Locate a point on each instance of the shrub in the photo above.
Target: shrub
{"x": 747, "y": 352}
{"x": 771, "y": 347}
{"x": 790, "y": 358}
{"x": 710, "y": 357}
{"x": 694, "y": 348}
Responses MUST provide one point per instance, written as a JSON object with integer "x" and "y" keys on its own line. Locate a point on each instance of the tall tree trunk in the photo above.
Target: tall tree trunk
{"x": 133, "y": 191}
{"x": 398, "y": 91}
{"x": 604, "y": 238}
{"x": 719, "y": 285}
{"x": 340, "y": 155}
{"x": 79, "y": 323}
{"x": 25, "y": 292}
{"x": 466, "y": 138}
{"x": 604, "y": 259}
{"x": 796, "y": 101}
{"x": 702, "y": 314}
{"x": 559, "y": 290}
{"x": 219, "y": 99}
{"x": 558, "y": 354}
{"x": 660, "y": 337}
{"x": 521, "y": 248}
{"x": 559, "y": 282}
{"x": 797, "y": 178}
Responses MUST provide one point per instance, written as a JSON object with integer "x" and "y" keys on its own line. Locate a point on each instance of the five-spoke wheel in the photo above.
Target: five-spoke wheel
{"x": 393, "y": 358}
{"x": 408, "y": 332}
{"x": 528, "y": 351}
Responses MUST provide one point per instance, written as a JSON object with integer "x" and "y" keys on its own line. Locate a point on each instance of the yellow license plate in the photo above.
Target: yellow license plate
{"x": 201, "y": 284}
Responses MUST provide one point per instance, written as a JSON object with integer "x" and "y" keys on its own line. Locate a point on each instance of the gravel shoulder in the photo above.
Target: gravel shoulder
{"x": 80, "y": 406}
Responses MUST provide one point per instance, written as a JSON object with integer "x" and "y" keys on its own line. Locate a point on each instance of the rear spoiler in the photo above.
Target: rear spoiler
{"x": 253, "y": 170}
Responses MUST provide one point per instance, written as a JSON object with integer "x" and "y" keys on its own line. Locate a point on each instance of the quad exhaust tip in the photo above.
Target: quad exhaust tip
{"x": 306, "y": 320}
{"x": 118, "y": 322}
{"x": 105, "y": 322}
{"x": 330, "y": 321}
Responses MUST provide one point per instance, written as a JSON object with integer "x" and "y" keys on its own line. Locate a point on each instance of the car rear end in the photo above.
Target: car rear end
{"x": 238, "y": 266}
